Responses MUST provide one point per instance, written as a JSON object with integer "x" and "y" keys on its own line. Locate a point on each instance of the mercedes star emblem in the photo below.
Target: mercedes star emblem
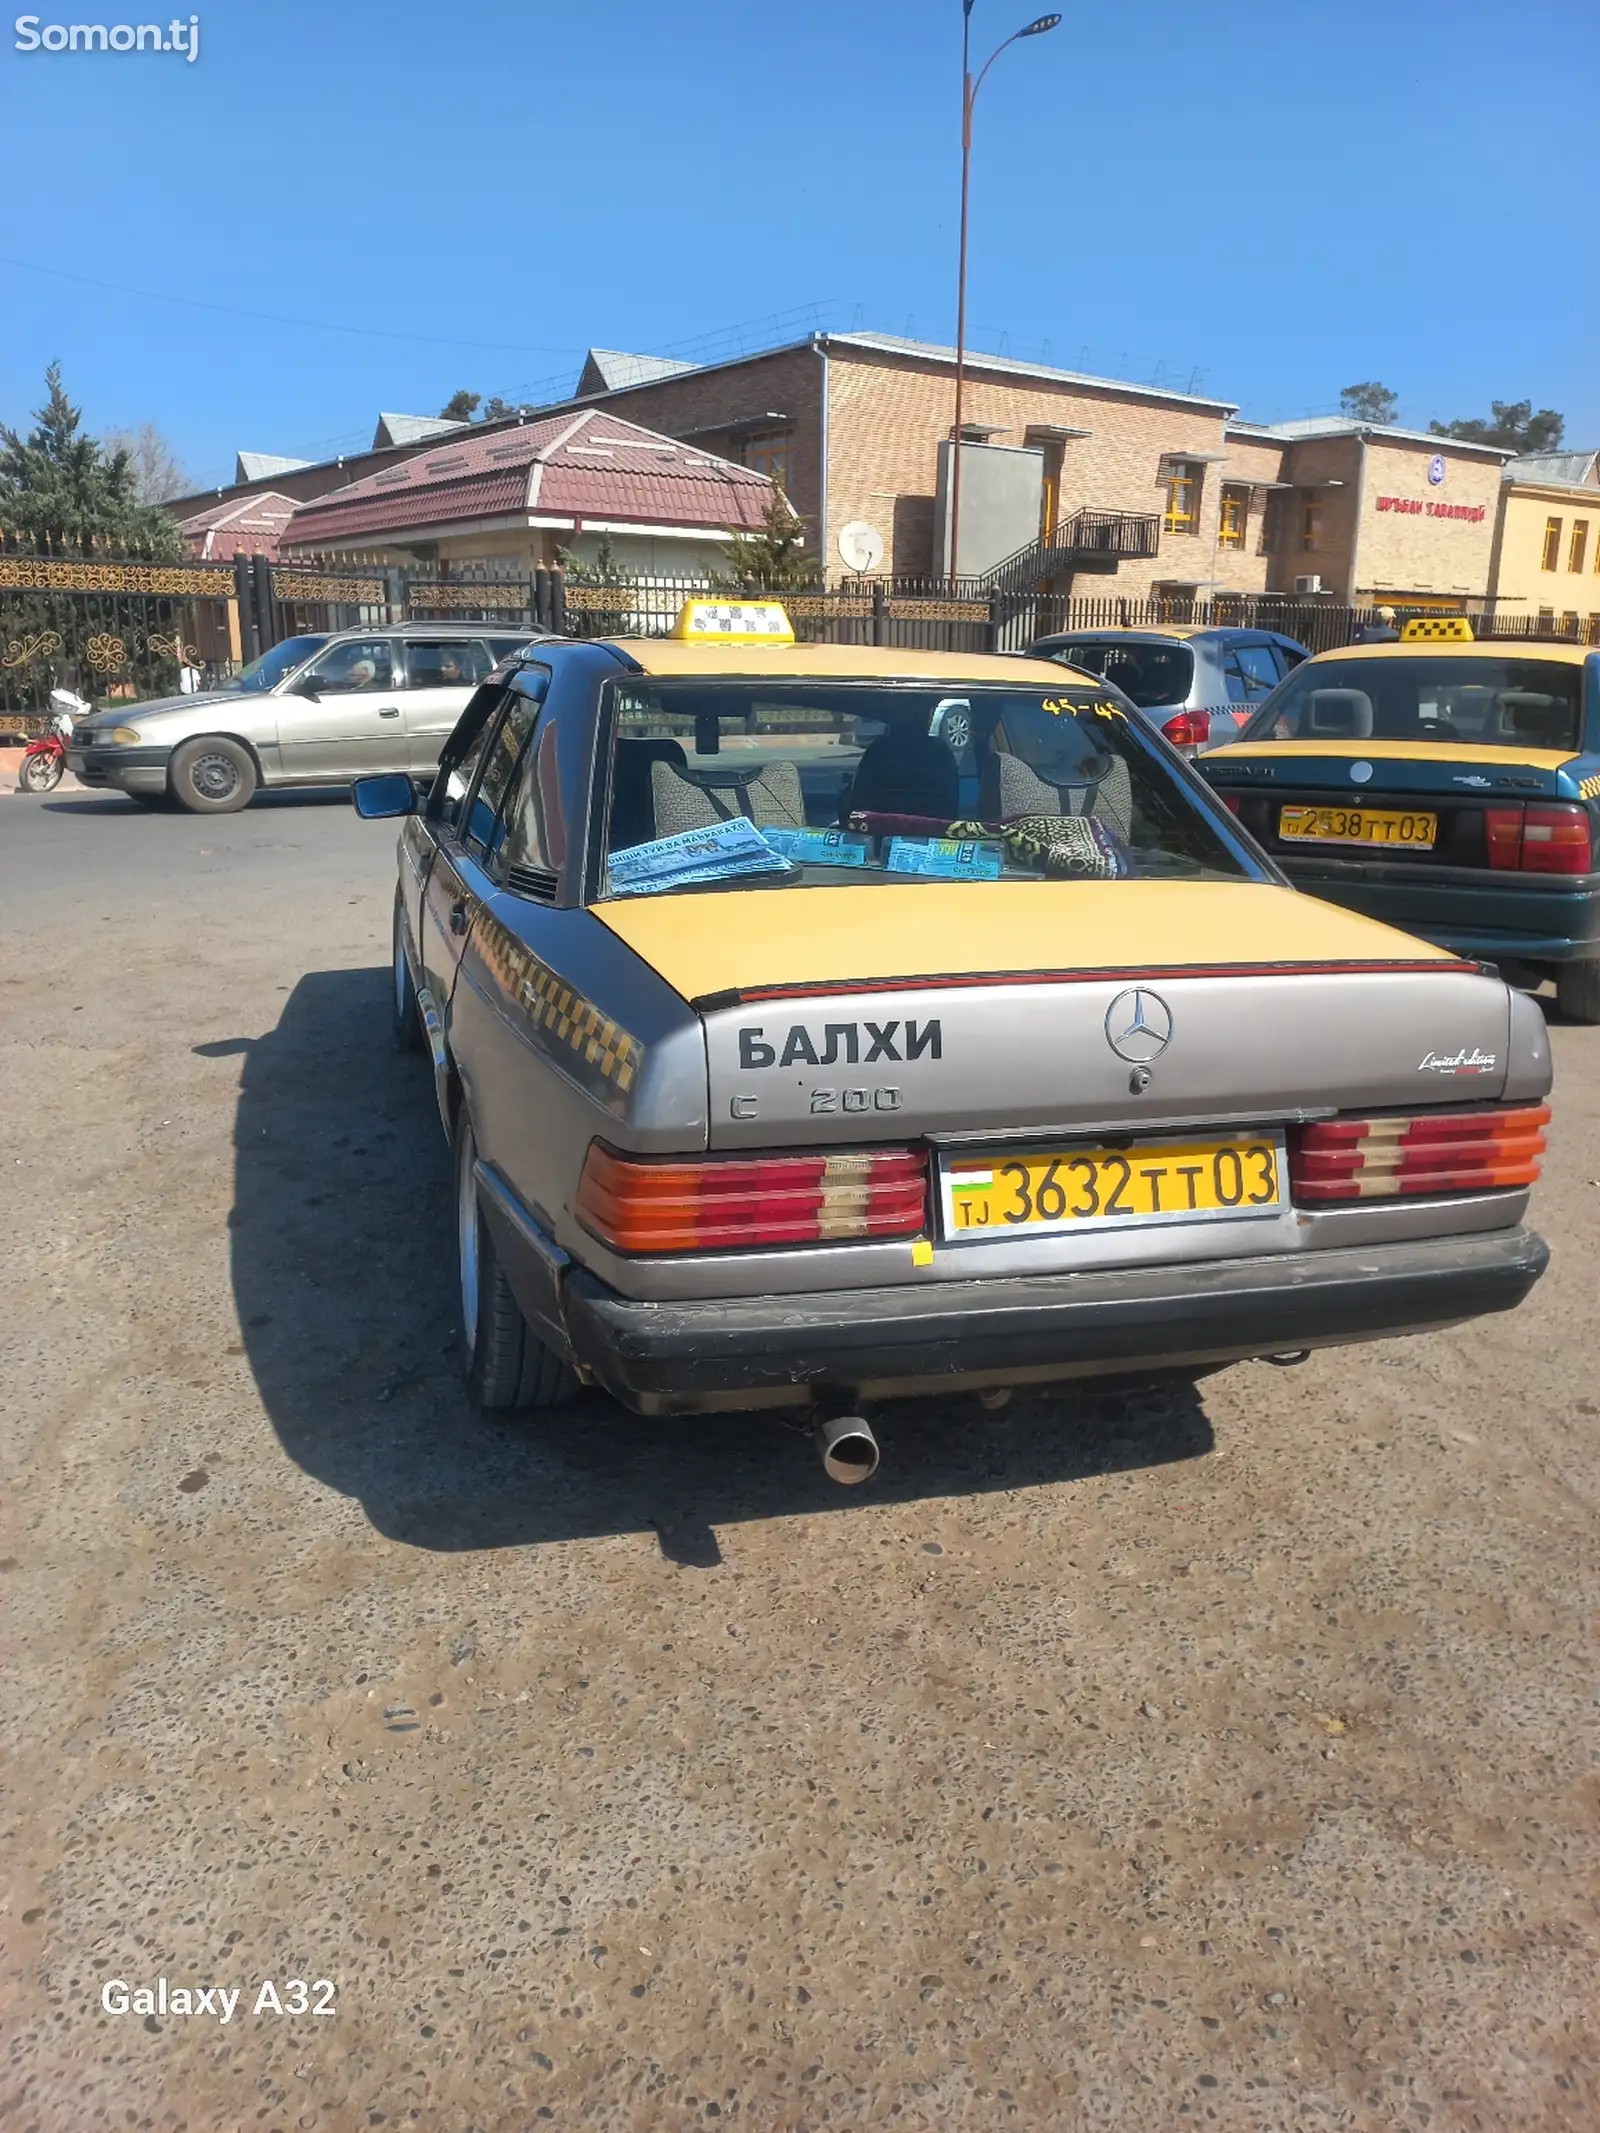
{"x": 1138, "y": 1025}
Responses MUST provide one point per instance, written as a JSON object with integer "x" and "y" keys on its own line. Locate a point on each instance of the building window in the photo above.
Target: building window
{"x": 1579, "y": 544}
{"x": 1235, "y": 514}
{"x": 767, "y": 452}
{"x": 1311, "y": 522}
{"x": 1183, "y": 488}
{"x": 1552, "y": 545}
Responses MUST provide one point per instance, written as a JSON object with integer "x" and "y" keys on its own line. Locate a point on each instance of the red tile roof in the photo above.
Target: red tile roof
{"x": 244, "y": 525}
{"x": 587, "y": 466}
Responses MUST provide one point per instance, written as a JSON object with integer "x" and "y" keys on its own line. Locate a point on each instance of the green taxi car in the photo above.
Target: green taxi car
{"x": 1445, "y": 785}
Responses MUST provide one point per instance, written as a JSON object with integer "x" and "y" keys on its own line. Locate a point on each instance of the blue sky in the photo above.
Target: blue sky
{"x": 1261, "y": 201}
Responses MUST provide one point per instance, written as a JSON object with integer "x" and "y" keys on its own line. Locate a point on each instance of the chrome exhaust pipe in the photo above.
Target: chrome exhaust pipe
{"x": 847, "y": 1446}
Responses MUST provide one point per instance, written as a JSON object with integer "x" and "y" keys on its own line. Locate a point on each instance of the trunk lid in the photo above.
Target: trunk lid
{"x": 889, "y": 1013}
{"x": 1402, "y": 778}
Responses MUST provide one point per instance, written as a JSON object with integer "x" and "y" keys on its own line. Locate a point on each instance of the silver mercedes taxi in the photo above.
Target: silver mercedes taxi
{"x": 314, "y": 710}
{"x": 818, "y": 1025}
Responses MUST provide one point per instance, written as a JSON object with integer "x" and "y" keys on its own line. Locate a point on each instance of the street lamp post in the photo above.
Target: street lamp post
{"x": 969, "y": 93}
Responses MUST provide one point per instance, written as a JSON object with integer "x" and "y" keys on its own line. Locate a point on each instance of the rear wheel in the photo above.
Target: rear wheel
{"x": 1578, "y": 991}
{"x": 507, "y": 1364}
{"x": 213, "y": 776}
{"x": 407, "y": 1015}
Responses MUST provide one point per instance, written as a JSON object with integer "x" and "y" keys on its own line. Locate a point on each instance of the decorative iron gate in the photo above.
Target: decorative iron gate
{"x": 108, "y": 630}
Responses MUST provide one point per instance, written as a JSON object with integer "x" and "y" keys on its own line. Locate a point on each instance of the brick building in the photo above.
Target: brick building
{"x": 1376, "y": 514}
{"x": 855, "y": 426}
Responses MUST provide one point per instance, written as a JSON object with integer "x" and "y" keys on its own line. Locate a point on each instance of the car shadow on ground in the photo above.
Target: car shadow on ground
{"x": 344, "y": 1279}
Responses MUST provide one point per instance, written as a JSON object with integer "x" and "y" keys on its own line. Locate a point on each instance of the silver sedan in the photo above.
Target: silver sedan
{"x": 315, "y": 710}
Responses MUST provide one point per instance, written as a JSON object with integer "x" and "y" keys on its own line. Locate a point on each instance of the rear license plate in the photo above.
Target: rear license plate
{"x": 1357, "y": 825}
{"x": 989, "y": 1197}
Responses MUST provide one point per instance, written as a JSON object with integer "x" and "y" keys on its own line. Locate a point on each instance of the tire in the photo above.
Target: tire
{"x": 508, "y": 1366}
{"x": 39, "y": 773}
{"x": 213, "y": 776}
{"x": 1578, "y": 991}
{"x": 405, "y": 1014}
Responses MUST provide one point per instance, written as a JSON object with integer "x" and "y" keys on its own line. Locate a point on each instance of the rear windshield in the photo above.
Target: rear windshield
{"x": 788, "y": 784}
{"x": 1150, "y": 675}
{"x": 1455, "y": 700}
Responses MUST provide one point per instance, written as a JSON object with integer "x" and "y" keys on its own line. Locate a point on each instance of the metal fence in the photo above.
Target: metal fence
{"x": 107, "y": 629}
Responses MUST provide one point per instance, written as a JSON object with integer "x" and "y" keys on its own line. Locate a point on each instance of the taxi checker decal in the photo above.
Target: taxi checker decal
{"x": 601, "y": 1049}
{"x": 1589, "y": 788}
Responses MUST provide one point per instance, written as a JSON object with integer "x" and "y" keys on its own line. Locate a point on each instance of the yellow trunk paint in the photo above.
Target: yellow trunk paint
{"x": 1443, "y": 753}
{"x": 722, "y": 940}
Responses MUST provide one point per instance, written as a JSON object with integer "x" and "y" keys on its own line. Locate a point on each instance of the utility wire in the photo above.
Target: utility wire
{"x": 272, "y": 318}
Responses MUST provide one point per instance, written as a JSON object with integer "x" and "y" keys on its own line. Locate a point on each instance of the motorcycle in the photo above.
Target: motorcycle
{"x": 45, "y": 758}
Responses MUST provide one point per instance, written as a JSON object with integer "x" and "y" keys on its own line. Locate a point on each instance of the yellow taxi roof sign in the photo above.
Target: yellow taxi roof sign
{"x": 1453, "y": 629}
{"x": 733, "y": 622}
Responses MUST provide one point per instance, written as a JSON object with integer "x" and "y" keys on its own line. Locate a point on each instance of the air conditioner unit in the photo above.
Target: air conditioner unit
{"x": 1308, "y": 585}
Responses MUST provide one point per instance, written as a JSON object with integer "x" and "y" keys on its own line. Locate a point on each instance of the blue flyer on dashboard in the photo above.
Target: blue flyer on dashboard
{"x": 946, "y": 858}
{"x": 724, "y": 851}
{"x": 819, "y": 847}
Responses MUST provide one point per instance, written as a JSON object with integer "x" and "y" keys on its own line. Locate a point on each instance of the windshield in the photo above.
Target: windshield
{"x": 1457, "y": 700}
{"x": 793, "y": 784}
{"x": 1150, "y": 675}
{"x": 270, "y": 668}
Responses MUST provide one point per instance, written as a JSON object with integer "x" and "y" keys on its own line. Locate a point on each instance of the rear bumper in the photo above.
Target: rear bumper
{"x": 1549, "y": 921}
{"x": 672, "y": 1355}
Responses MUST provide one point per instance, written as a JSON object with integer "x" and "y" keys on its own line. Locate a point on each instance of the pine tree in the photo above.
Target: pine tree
{"x": 61, "y": 494}
{"x": 1370, "y": 402}
{"x": 1512, "y": 426}
{"x": 773, "y": 560}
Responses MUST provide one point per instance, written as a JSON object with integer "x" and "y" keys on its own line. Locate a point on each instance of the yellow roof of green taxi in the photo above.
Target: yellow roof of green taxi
{"x": 668, "y": 656}
{"x": 1572, "y": 655}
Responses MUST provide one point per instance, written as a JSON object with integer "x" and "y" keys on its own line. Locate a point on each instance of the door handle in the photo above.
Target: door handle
{"x": 458, "y": 918}
{"x": 390, "y": 711}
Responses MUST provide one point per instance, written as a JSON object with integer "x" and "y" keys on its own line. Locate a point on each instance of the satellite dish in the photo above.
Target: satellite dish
{"x": 860, "y": 545}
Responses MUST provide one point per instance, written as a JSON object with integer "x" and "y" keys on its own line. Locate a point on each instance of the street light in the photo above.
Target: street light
{"x": 969, "y": 94}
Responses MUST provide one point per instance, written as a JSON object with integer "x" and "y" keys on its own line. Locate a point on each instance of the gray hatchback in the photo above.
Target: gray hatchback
{"x": 1198, "y": 685}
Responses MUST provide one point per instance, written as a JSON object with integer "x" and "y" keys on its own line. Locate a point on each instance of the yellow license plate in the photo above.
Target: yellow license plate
{"x": 1357, "y": 825}
{"x": 987, "y": 1197}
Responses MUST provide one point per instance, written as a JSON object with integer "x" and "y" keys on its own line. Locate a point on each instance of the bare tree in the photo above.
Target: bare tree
{"x": 157, "y": 470}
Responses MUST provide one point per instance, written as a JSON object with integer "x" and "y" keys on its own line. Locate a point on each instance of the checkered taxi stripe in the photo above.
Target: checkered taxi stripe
{"x": 598, "y": 1041}
{"x": 1589, "y": 787}
{"x": 601, "y": 1048}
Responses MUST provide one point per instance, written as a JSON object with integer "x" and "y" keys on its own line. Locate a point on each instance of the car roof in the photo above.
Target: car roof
{"x": 456, "y": 628}
{"x": 1179, "y": 633}
{"x": 1461, "y": 648}
{"x": 670, "y": 656}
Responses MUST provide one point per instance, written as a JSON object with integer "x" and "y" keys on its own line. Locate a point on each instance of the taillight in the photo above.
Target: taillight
{"x": 1230, "y": 800}
{"x": 1552, "y": 838}
{"x": 732, "y": 1201}
{"x": 1190, "y": 729}
{"x": 1430, "y": 1152}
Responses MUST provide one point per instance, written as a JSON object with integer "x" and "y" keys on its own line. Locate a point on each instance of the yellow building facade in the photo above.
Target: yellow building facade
{"x": 1546, "y": 560}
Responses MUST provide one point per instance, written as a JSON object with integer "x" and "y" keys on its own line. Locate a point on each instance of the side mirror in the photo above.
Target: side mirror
{"x": 308, "y": 685}
{"x": 381, "y": 799}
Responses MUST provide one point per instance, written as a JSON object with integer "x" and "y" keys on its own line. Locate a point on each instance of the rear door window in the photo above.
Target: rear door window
{"x": 1252, "y": 672}
{"x": 449, "y": 663}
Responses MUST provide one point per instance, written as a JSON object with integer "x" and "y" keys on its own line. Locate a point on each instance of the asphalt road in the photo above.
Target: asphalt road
{"x": 1115, "y": 1763}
